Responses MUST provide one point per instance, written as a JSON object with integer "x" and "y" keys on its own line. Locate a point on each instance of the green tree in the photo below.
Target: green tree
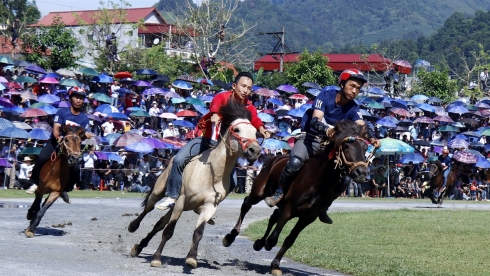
{"x": 436, "y": 84}
{"x": 309, "y": 68}
{"x": 55, "y": 42}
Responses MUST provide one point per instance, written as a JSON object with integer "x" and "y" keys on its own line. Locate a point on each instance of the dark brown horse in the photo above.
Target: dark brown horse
{"x": 54, "y": 176}
{"x": 314, "y": 189}
{"x": 436, "y": 179}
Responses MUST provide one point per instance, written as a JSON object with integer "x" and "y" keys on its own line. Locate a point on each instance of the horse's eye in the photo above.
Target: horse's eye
{"x": 236, "y": 130}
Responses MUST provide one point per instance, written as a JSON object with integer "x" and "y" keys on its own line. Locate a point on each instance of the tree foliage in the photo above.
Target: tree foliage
{"x": 435, "y": 84}
{"x": 310, "y": 67}
{"x": 23, "y": 10}
{"x": 55, "y": 42}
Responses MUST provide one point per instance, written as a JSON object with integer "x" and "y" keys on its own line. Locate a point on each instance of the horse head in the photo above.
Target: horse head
{"x": 350, "y": 148}
{"x": 239, "y": 132}
{"x": 70, "y": 145}
{"x": 434, "y": 168}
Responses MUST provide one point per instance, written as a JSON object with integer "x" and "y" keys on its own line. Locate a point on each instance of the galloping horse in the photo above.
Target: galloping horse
{"x": 314, "y": 189}
{"x": 55, "y": 175}
{"x": 436, "y": 179}
{"x": 206, "y": 181}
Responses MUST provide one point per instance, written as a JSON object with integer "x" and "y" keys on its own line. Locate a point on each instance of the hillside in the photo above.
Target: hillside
{"x": 331, "y": 24}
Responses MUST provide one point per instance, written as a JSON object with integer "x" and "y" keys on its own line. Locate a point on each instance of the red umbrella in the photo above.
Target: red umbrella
{"x": 14, "y": 85}
{"x": 401, "y": 112}
{"x": 266, "y": 92}
{"x": 33, "y": 112}
{"x": 122, "y": 75}
{"x": 269, "y": 111}
{"x": 298, "y": 97}
{"x": 446, "y": 119}
{"x": 127, "y": 138}
{"x": 186, "y": 113}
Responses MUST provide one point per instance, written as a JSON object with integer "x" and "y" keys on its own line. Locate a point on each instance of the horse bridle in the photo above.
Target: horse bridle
{"x": 69, "y": 151}
{"x": 244, "y": 142}
{"x": 343, "y": 163}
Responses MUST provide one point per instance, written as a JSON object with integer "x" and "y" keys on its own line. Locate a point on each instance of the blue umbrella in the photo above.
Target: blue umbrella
{"x": 398, "y": 104}
{"x": 266, "y": 118}
{"x": 133, "y": 108}
{"x": 106, "y": 109}
{"x": 206, "y": 98}
{"x": 376, "y": 90}
{"x": 50, "y": 75}
{"x": 313, "y": 91}
{"x": 36, "y": 69}
{"x": 283, "y": 134}
{"x": 102, "y": 78}
{"x": 51, "y": 110}
{"x": 48, "y": 98}
{"x": 273, "y": 144}
{"x": 110, "y": 138}
{"x": 276, "y": 102}
{"x": 457, "y": 109}
{"x": 18, "y": 109}
{"x": 306, "y": 106}
{"x": 139, "y": 147}
{"x": 419, "y": 98}
{"x": 182, "y": 85}
{"x": 364, "y": 112}
{"x": 367, "y": 100}
{"x": 178, "y": 100}
{"x": 457, "y": 103}
{"x": 183, "y": 123}
{"x": 201, "y": 109}
{"x": 146, "y": 72}
{"x": 255, "y": 87}
{"x": 118, "y": 116}
{"x": 434, "y": 100}
{"x": 311, "y": 85}
{"x": 14, "y": 132}
{"x": 296, "y": 112}
{"x": 426, "y": 107}
{"x": 386, "y": 122}
{"x": 483, "y": 163}
{"x": 40, "y": 134}
{"x": 124, "y": 91}
{"x": 113, "y": 156}
{"x": 412, "y": 157}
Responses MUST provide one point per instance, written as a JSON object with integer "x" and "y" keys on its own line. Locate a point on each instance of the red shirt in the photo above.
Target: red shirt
{"x": 218, "y": 101}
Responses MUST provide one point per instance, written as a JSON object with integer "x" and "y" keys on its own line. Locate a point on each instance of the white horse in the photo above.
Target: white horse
{"x": 206, "y": 181}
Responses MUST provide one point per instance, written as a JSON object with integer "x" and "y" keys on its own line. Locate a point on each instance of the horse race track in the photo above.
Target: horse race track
{"x": 89, "y": 237}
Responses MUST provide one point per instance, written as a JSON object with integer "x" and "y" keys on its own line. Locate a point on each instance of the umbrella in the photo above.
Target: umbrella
{"x": 221, "y": 84}
{"x": 118, "y": 116}
{"x": 457, "y": 109}
{"x": 102, "y": 78}
{"x": 5, "y": 123}
{"x": 391, "y": 146}
{"x": 425, "y": 120}
{"x": 266, "y": 118}
{"x": 28, "y": 95}
{"x": 22, "y": 125}
{"x": 21, "y": 63}
{"x": 187, "y": 78}
{"x": 201, "y": 109}
{"x": 6, "y": 60}
{"x": 110, "y": 138}
{"x": 376, "y": 90}
{"x": 465, "y": 157}
{"x": 266, "y": 92}
{"x": 434, "y": 100}
{"x": 89, "y": 72}
{"x": 419, "y": 98}
{"x": 154, "y": 143}
{"x": 125, "y": 91}
{"x": 141, "y": 83}
{"x": 186, "y": 113}
{"x": 69, "y": 82}
{"x": 313, "y": 91}
{"x": 443, "y": 119}
{"x": 122, "y": 75}
{"x": 375, "y": 105}
{"x": 402, "y": 63}
{"x": 194, "y": 101}
{"x": 273, "y": 144}
{"x": 178, "y": 100}
{"x": 6, "y": 103}
{"x": 205, "y": 81}
{"x": 458, "y": 144}
{"x": 468, "y": 121}
{"x": 113, "y": 156}
{"x": 206, "y": 98}
{"x": 31, "y": 151}
{"x": 183, "y": 123}
{"x": 182, "y": 85}
{"x": 33, "y": 112}
{"x": 40, "y": 134}
{"x": 126, "y": 139}
{"x": 298, "y": 97}
{"x": 148, "y": 72}
{"x": 276, "y": 102}
{"x": 482, "y": 105}
{"x": 296, "y": 112}
{"x": 287, "y": 88}
{"x": 43, "y": 125}
{"x": 14, "y": 132}
{"x": 102, "y": 97}
{"x": 101, "y": 155}
{"x": 25, "y": 79}
{"x": 426, "y": 107}
{"x": 448, "y": 128}
{"x": 401, "y": 112}
{"x": 48, "y": 98}
{"x": 35, "y": 69}
{"x": 168, "y": 115}
{"x": 422, "y": 143}
{"x": 139, "y": 113}
{"x": 482, "y": 163}
{"x": 312, "y": 85}
{"x": 161, "y": 78}
{"x": 386, "y": 122}
{"x": 139, "y": 147}
{"x": 412, "y": 157}
{"x": 19, "y": 109}
{"x": 66, "y": 73}
{"x": 106, "y": 109}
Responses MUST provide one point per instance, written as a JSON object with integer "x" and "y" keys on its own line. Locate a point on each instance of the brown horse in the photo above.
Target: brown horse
{"x": 436, "y": 179}
{"x": 314, "y": 189}
{"x": 54, "y": 176}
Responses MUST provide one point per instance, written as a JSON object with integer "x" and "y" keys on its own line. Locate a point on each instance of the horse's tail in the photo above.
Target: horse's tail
{"x": 147, "y": 196}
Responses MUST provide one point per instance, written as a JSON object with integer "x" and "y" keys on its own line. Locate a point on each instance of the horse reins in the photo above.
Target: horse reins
{"x": 244, "y": 142}
{"x": 341, "y": 161}
{"x": 69, "y": 150}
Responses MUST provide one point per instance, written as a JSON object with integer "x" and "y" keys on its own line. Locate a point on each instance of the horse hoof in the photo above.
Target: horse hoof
{"x": 132, "y": 228}
{"x": 29, "y": 216}
{"x": 228, "y": 240}
{"x": 155, "y": 263}
{"x": 276, "y": 272}
{"x": 135, "y": 250}
{"x": 267, "y": 246}
{"x": 191, "y": 262}
{"x": 257, "y": 245}
{"x": 29, "y": 234}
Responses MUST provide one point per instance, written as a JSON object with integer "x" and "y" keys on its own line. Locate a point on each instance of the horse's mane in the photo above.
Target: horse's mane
{"x": 347, "y": 128}
{"x": 230, "y": 112}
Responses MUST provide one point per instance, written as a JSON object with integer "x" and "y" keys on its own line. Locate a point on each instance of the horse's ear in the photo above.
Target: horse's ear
{"x": 64, "y": 128}
{"x": 81, "y": 133}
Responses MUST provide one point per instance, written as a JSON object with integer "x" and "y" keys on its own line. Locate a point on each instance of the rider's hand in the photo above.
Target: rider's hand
{"x": 330, "y": 132}
{"x": 266, "y": 134}
{"x": 88, "y": 135}
{"x": 375, "y": 142}
{"x": 215, "y": 118}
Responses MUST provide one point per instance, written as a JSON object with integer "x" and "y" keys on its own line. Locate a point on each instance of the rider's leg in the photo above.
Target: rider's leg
{"x": 41, "y": 159}
{"x": 174, "y": 181}
{"x": 446, "y": 173}
{"x": 302, "y": 150}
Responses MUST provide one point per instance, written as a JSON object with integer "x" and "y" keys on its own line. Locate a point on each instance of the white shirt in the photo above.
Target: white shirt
{"x": 114, "y": 93}
{"x": 25, "y": 169}
{"x": 154, "y": 111}
{"x": 174, "y": 132}
{"x": 108, "y": 128}
{"x": 483, "y": 76}
{"x": 143, "y": 167}
{"x": 89, "y": 160}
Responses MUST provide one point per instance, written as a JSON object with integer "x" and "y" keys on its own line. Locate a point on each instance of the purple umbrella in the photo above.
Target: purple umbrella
{"x": 171, "y": 95}
{"x": 6, "y": 102}
{"x": 127, "y": 138}
{"x": 93, "y": 117}
{"x": 49, "y": 81}
{"x": 443, "y": 119}
{"x": 465, "y": 157}
{"x": 5, "y": 163}
{"x": 62, "y": 104}
{"x": 424, "y": 119}
{"x": 154, "y": 143}
{"x": 458, "y": 109}
{"x": 101, "y": 155}
{"x": 287, "y": 88}
{"x": 152, "y": 91}
{"x": 458, "y": 144}
{"x": 42, "y": 125}
{"x": 35, "y": 69}
{"x": 48, "y": 98}
{"x": 141, "y": 83}
{"x": 139, "y": 147}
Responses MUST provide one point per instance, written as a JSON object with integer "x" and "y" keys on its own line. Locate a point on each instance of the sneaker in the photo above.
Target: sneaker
{"x": 167, "y": 203}
{"x": 273, "y": 200}
{"x": 31, "y": 189}
{"x": 65, "y": 197}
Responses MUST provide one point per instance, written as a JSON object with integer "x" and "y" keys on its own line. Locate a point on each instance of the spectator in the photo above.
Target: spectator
{"x": 379, "y": 183}
{"x": 89, "y": 159}
{"x": 25, "y": 173}
{"x": 108, "y": 126}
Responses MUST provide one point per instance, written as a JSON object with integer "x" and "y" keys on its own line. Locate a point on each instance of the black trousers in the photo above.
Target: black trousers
{"x": 86, "y": 178}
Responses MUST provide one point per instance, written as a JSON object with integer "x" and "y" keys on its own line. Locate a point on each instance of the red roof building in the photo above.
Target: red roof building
{"x": 338, "y": 62}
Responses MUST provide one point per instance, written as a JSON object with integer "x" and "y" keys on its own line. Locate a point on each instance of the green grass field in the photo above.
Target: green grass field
{"x": 403, "y": 242}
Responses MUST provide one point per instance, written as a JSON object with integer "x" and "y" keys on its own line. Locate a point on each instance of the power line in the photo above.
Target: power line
{"x": 56, "y": 4}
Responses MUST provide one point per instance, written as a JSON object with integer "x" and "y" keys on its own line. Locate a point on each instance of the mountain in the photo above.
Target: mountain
{"x": 331, "y": 24}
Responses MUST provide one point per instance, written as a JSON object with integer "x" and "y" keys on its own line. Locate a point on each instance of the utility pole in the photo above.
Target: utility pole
{"x": 281, "y": 48}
